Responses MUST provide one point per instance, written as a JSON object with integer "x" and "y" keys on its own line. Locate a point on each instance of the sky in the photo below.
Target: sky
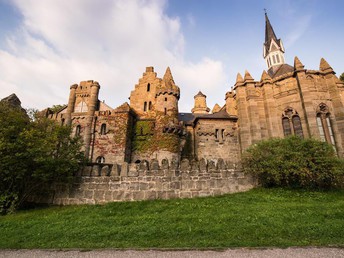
{"x": 48, "y": 45}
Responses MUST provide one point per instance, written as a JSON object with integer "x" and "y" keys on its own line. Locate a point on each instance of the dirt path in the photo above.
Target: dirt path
{"x": 237, "y": 253}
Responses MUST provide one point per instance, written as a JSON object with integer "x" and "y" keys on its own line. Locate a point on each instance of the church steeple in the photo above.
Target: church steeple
{"x": 273, "y": 50}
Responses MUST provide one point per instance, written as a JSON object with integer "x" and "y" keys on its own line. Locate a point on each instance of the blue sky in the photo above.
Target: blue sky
{"x": 48, "y": 45}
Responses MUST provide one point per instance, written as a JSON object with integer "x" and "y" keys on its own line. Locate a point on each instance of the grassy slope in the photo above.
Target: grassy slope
{"x": 259, "y": 217}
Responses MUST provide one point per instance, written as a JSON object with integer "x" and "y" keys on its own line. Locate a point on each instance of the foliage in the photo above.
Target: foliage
{"x": 294, "y": 162}
{"x": 341, "y": 77}
{"x": 258, "y": 218}
{"x": 32, "y": 152}
{"x": 56, "y": 108}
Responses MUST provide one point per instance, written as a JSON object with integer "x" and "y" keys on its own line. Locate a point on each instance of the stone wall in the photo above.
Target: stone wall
{"x": 101, "y": 183}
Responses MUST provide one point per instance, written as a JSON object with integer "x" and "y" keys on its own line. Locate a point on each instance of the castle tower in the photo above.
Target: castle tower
{"x": 167, "y": 97}
{"x": 83, "y": 102}
{"x": 200, "y": 106}
{"x": 273, "y": 50}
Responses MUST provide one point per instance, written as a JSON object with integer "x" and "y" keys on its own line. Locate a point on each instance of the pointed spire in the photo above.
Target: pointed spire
{"x": 324, "y": 66}
{"x": 248, "y": 76}
{"x": 168, "y": 75}
{"x": 265, "y": 77}
{"x": 297, "y": 64}
{"x": 269, "y": 31}
{"x": 239, "y": 78}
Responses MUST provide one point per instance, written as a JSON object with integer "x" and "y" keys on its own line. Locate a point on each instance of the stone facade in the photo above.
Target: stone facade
{"x": 287, "y": 100}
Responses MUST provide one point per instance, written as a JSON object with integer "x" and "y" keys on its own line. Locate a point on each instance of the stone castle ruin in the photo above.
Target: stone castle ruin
{"x": 119, "y": 142}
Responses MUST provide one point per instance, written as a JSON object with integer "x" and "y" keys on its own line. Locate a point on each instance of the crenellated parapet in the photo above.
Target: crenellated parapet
{"x": 147, "y": 180}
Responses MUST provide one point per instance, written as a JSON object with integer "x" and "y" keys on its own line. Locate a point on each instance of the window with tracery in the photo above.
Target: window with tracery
{"x": 291, "y": 123}
{"x": 100, "y": 159}
{"x": 324, "y": 124}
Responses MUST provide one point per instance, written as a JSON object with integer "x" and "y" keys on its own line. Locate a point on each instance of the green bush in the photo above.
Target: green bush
{"x": 294, "y": 162}
{"x": 33, "y": 152}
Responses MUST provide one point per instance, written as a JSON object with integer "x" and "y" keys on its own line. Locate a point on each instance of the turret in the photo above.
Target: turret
{"x": 273, "y": 50}
{"x": 200, "y": 106}
{"x": 167, "y": 96}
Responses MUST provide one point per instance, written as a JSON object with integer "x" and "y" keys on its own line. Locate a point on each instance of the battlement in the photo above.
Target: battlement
{"x": 146, "y": 180}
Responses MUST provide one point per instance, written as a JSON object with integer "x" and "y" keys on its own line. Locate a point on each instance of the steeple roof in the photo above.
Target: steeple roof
{"x": 269, "y": 34}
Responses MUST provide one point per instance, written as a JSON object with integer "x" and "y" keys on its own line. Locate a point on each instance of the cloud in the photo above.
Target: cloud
{"x": 300, "y": 26}
{"x": 60, "y": 43}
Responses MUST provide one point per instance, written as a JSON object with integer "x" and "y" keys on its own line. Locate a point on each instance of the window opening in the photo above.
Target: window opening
{"x": 145, "y": 106}
{"x": 103, "y": 129}
{"x": 77, "y": 130}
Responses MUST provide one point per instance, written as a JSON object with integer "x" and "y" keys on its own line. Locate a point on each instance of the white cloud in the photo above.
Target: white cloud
{"x": 64, "y": 42}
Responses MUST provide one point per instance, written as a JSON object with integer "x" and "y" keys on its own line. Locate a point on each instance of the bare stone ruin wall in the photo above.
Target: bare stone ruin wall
{"x": 101, "y": 183}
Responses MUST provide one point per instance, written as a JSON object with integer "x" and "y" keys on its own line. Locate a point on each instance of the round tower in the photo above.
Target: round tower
{"x": 167, "y": 98}
{"x": 71, "y": 104}
{"x": 200, "y": 106}
{"x": 167, "y": 129}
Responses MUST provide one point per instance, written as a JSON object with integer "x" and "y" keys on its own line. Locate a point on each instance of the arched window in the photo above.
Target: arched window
{"x": 324, "y": 124}
{"x": 81, "y": 107}
{"x": 150, "y": 105}
{"x": 78, "y": 130}
{"x": 103, "y": 129}
{"x": 100, "y": 159}
{"x": 291, "y": 123}
{"x": 148, "y": 87}
{"x": 145, "y": 106}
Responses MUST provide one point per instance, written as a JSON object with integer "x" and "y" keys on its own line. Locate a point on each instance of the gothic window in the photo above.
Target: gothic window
{"x": 286, "y": 126}
{"x": 145, "y": 106}
{"x": 324, "y": 124}
{"x": 296, "y": 121}
{"x": 103, "y": 129}
{"x": 100, "y": 159}
{"x": 291, "y": 123}
{"x": 81, "y": 107}
{"x": 150, "y": 105}
{"x": 78, "y": 130}
{"x": 148, "y": 87}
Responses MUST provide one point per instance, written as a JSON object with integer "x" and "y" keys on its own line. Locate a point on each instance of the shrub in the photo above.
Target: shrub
{"x": 294, "y": 162}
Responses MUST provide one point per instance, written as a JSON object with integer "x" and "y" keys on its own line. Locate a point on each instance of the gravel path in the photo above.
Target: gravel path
{"x": 237, "y": 253}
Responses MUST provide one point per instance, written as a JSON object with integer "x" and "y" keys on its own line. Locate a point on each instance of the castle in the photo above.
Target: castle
{"x": 287, "y": 100}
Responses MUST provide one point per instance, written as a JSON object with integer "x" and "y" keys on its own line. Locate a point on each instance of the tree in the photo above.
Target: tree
{"x": 33, "y": 152}
{"x": 294, "y": 162}
{"x": 341, "y": 77}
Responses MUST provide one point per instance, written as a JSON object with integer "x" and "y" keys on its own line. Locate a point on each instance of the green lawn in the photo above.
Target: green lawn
{"x": 260, "y": 217}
